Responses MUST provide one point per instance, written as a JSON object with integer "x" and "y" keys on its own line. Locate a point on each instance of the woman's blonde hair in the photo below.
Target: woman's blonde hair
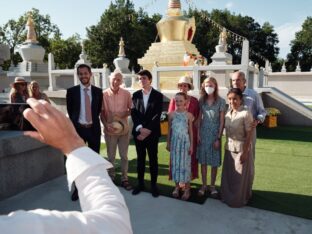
{"x": 31, "y": 94}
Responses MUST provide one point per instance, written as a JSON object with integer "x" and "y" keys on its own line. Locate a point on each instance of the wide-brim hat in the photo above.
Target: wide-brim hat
{"x": 186, "y": 80}
{"x": 120, "y": 125}
{"x": 19, "y": 80}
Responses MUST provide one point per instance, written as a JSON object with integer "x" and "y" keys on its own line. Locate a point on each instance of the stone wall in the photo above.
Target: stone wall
{"x": 25, "y": 163}
{"x": 295, "y": 84}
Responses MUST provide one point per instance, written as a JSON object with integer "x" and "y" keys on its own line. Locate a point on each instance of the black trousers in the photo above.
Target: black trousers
{"x": 149, "y": 145}
{"x": 91, "y": 137}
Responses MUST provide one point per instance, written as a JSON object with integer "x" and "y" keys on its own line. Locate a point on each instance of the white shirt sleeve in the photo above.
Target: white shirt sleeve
{"x": 103, "y": 207}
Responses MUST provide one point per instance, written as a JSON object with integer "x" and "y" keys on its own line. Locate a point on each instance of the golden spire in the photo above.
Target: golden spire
{"x": 121, "y": 48}
{"x": 174, "y": 8}
{"x": 31, "y": 33}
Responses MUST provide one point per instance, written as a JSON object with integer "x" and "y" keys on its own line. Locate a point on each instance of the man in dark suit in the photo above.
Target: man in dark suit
{"x": 84, "y": 103}
{"x": 145, "y": 113}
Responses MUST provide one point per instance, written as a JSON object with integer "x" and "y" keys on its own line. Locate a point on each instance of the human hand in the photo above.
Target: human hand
{"x": 168, "y": 147}
{"x": 141, "y": 137}
{"x": 53, "y": 127}
{"x": 145, "y": 132}
{"x": 110, "y": 128}
{"x": 255, "y": 123}
{"x": 190, "y": 150}
{"x": 198, "y": 140}
{"x": 216, "y": 144}
{"x": 243, "y": 157}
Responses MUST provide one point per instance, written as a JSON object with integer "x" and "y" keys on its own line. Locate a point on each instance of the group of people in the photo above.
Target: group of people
{"x": 195, "y": 130}
{"x": 21, "y": 91}
{"x": 103, "y": 207}
{"x": 195, "y": 133}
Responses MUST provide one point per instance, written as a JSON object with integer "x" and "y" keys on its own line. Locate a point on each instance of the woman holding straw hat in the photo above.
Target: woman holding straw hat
{"x": 19, "y": 93}
{"x": 192, "y": 106}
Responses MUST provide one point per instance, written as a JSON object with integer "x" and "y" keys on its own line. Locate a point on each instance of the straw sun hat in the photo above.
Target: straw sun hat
{"x": 186, "y": 80}
{"x": 19, "y": 80}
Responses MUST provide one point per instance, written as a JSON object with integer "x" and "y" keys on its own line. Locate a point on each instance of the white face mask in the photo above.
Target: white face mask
{"x": 209, "y": 90}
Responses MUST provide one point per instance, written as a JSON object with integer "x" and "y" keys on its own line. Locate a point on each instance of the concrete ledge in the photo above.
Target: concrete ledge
{"x": 25, "y": 162}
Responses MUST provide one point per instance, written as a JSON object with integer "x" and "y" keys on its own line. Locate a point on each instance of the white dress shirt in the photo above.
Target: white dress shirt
{"x": 145, "y": 102}
{"x": 82, "y": 115}
{"x": 103, "y": 207}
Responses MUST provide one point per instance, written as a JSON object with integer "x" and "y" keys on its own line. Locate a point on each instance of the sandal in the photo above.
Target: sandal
{"x": 125, "y": 184}
{"x": 213, "y": 192}
{"x": 202, "y": 191}
{"x": 186, "y": 194}
{"x": 176, "y": 192}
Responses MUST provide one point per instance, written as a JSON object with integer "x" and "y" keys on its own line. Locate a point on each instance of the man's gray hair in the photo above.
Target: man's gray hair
{"x": 241, "y": 74}
{"x": 114, "y": 73}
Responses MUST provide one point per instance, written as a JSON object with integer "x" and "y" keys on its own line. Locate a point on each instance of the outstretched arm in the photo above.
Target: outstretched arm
{"x": 103, "y": 207}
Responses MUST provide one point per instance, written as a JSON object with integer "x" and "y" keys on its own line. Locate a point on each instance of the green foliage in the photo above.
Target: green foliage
{"x": 263, "y": 40}
{"x": 66, "y": 51}
{"x": 14, "y": 32}
{"x": 120, "y": 20}
{"x": 301, "y": 48}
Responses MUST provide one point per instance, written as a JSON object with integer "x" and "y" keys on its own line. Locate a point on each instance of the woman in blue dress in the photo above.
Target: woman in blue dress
{"x": 180, "y": 145}
{"x": 210, "y": 125}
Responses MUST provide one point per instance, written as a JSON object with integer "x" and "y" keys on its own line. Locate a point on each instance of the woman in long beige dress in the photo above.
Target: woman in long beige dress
{"x": 238, "y": 165}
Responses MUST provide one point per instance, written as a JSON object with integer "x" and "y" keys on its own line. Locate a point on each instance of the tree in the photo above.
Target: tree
{"x": 120, "y": 20}
{"x": 66, "y": 51}
{"x": 301, "y": 48}
{"x": 263, "y": 40}
{"x": 14, "y": 32}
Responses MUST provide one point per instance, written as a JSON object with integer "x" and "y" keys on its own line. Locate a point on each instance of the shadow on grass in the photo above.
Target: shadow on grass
{"x": 286, "y": 203}
{"x": 291, "y": 204}
{"x": 303, "y": 134}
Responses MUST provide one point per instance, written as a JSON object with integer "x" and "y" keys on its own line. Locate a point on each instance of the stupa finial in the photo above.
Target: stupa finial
{"x": 121, "y": 48}
{"x": 174, "y": 8}
{"x": 31, "y": 33}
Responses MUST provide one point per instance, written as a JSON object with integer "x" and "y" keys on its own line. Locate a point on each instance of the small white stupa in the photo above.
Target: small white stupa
{"x": 122, "y": 63}
{"x": 32, "y": 53}
{"x": 221, "y": 57}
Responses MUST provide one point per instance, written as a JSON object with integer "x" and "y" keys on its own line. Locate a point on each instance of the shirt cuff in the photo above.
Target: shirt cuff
{"x": 138, "y": 127}
{"x": 260, "y": 118}
{"x": 80, "y": 160}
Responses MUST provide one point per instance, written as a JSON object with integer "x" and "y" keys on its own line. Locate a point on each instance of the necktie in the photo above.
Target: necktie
{"x": 87, "y": 106}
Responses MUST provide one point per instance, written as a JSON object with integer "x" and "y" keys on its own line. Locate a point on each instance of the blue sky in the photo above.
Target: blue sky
{"x": 73, "y": 16}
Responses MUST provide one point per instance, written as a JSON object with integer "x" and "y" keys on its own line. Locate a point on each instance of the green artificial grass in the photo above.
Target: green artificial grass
{"x": 283, "y": 174}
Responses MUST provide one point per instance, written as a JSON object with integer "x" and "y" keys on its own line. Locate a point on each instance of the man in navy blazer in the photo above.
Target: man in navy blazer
{"x": 89, "y": 131}
{"x": 88, "y": 128}
{"x": 145, "y": 113}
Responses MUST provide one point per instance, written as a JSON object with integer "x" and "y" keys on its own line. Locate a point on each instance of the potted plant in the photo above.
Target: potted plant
{"x": 164, "y": 123}
{"x": 271, "y": 118}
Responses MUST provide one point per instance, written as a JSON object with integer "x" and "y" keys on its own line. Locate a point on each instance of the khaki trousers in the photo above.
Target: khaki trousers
{"x": 111, "y": 146}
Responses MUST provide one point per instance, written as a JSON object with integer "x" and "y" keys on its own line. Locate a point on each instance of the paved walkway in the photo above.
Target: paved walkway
{"x": 164, "y": 215}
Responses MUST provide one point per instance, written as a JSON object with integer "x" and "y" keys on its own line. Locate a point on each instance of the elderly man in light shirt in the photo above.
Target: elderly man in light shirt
{"x": 103, "y": 207}
{"x": 252, "y": 101}
{"x": 116, "y": 108}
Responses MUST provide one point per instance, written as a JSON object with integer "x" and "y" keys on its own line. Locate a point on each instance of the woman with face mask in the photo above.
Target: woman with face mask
{"x": 210, "y": 125}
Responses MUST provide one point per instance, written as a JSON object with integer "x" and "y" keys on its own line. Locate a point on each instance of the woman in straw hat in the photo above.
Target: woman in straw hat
{"x": 19, "y": 93}
{"x": 34, "y": 92}
{"x": 192, "y": 106}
